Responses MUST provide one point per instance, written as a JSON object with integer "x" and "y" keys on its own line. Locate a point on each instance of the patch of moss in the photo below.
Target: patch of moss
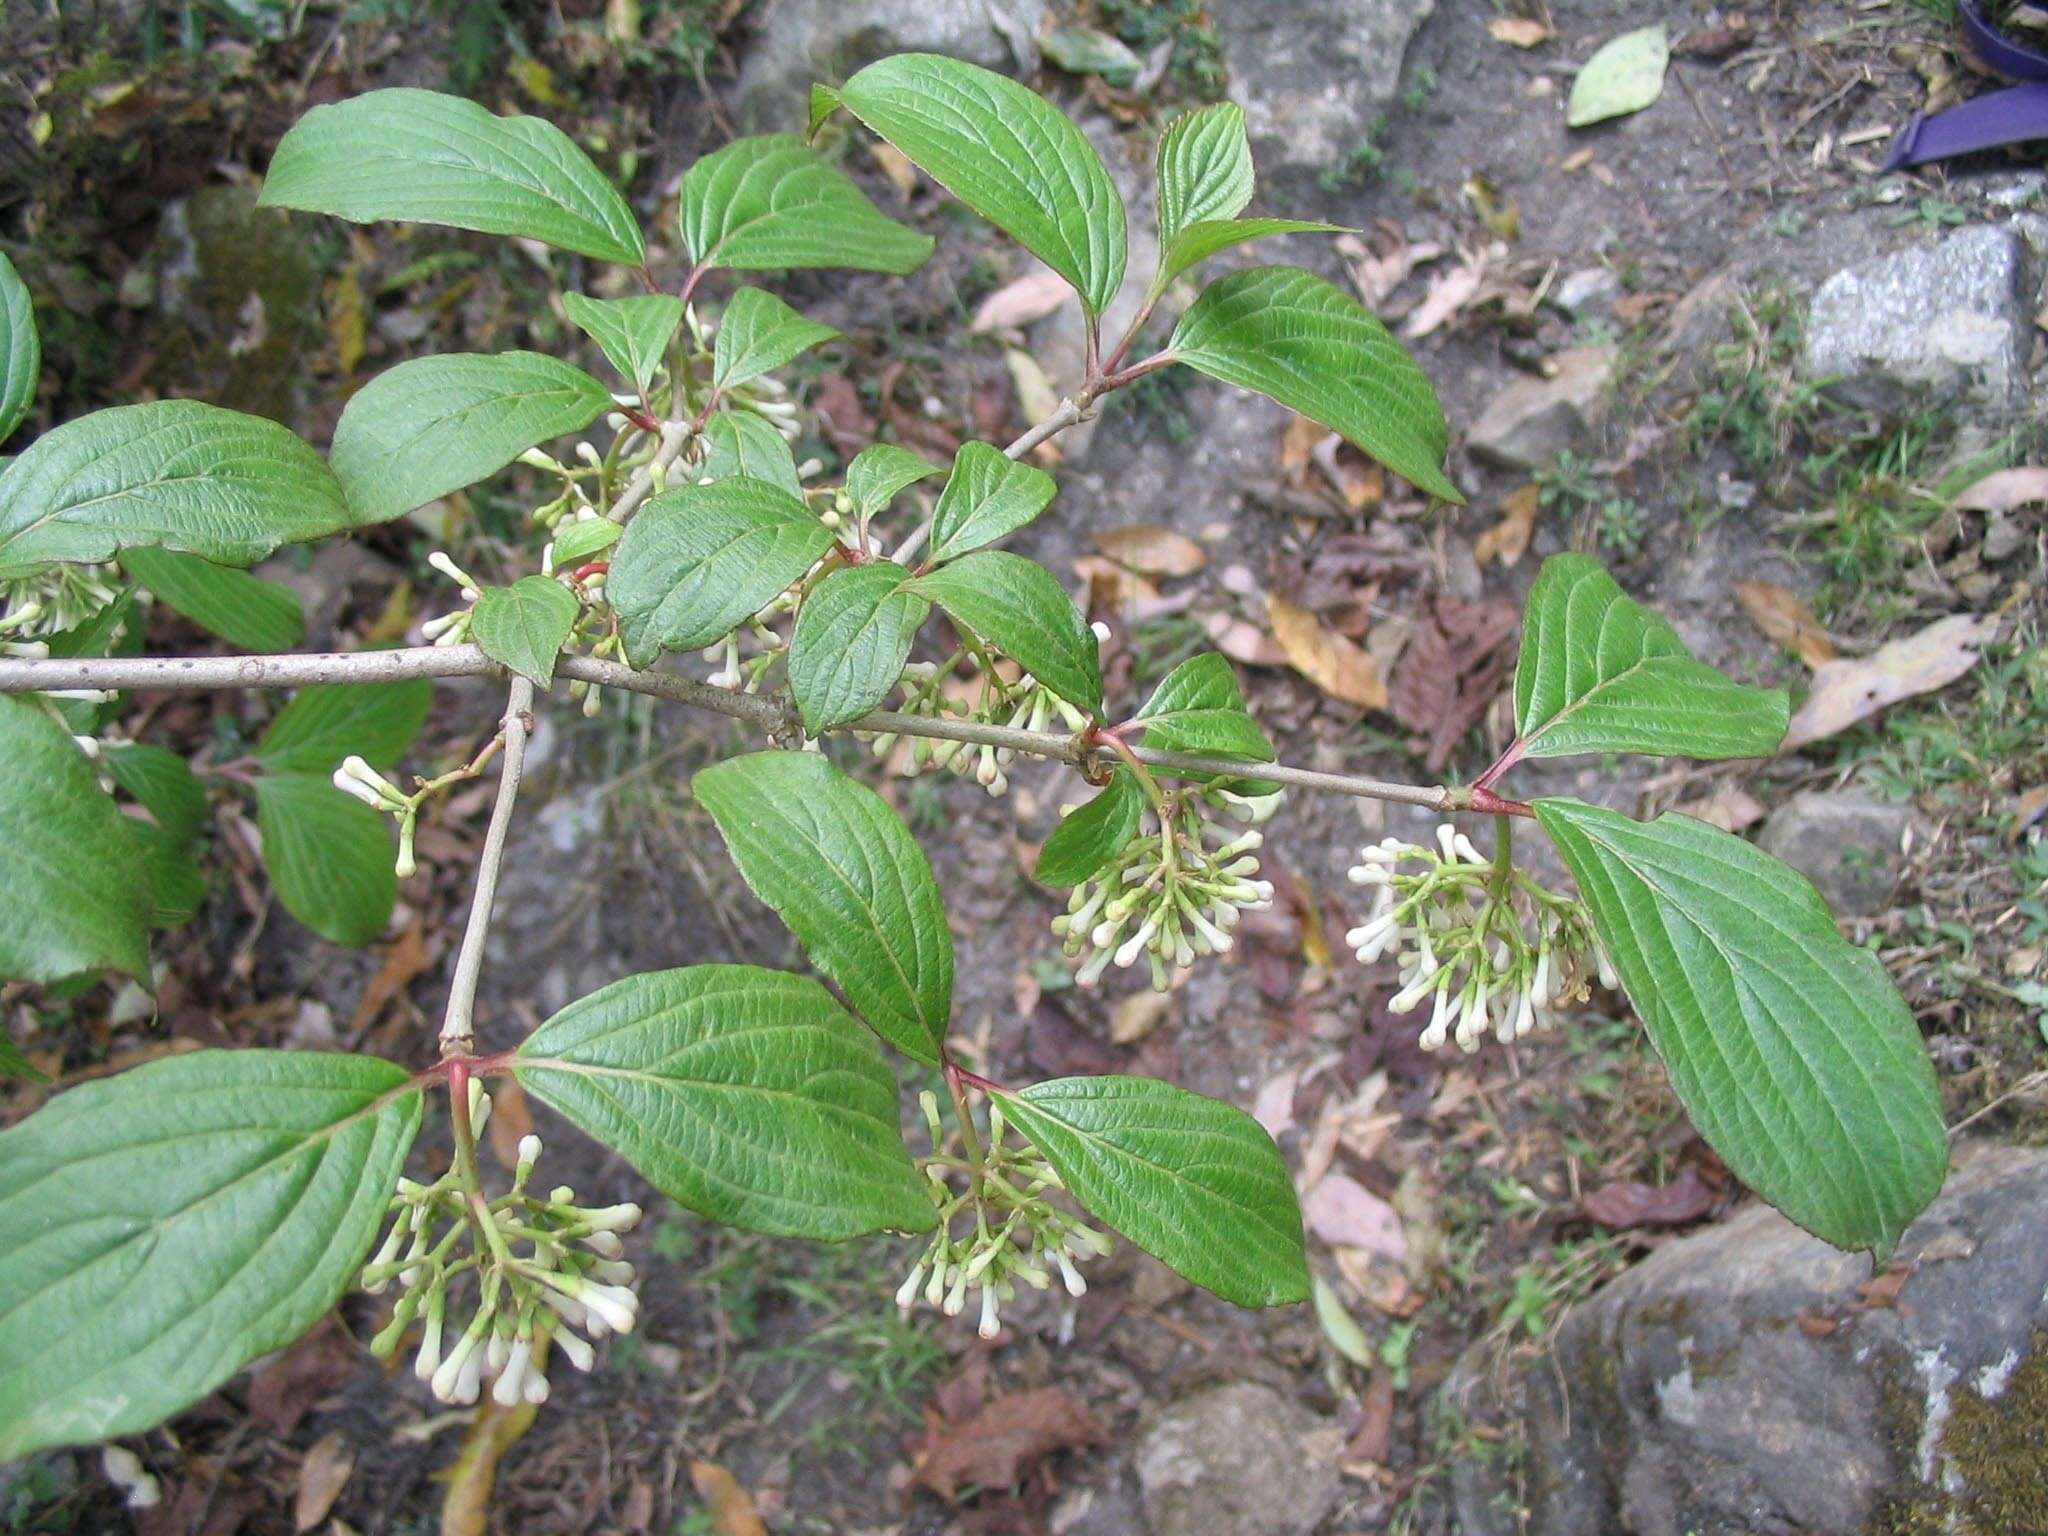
{"x": 1994, "y": 1447}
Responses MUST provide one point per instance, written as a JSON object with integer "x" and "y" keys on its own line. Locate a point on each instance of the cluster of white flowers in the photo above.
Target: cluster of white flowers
{"x": 1172, "y": 894}
{"x": 1018, "y": 1237}
{"x": 1489, "y": 948}
{"x": 571, "y": 1275}
{"x": 54, "y": 598}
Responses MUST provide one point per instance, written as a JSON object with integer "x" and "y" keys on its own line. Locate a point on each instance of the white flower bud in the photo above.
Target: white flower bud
{"x": 991, "y": 1325}
{"x": 580, "y": 1354}
{"x": 617, "y": 1307}
{"x": 906, "y": 1293}
{"x": 1069, "y": 1275}
{"x": 613, "y": 1218}
{"x": 529, "y": 1148}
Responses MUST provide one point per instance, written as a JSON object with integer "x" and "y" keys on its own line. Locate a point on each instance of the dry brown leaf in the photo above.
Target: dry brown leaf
{"x": 1035, "y": 393}
{"x": 1458, "y": 658}
{"x": 1449, "y": 291}
{"x": 1243, "y": 642}
{"x": 1341, "y": 668}
{"x": 1298, "y": 446}
{"x": 730, "y": 1506}
{"x": 2027, "y": 809}
{"x": 1848, "y": 692}
{"x": 995, "y": 1447}
{"x": 466, "y": 1506}
{"x": 1345, "y": 1214}
{"x": 1728, "y": 808}
{"x": 284, "y": 1389}
{"x": 511, "y": 1119}
{"x": 1152, "y": 550}
{"x": 1508, "y": 540}
{"x": 1138, "y": 1015}
{"x": 322, "y": 1475}
{"x": 1783, "y": 617}
{"x": 895, "y": 165}
{"x": 2007, "y": 489}
{"x": 1518, "y": 31}
{"x": 1113, "y": 587}
{"x": 1626, "y": 1203}
{"x": 404, "y": 958}
{"x": 1030, "y": 297}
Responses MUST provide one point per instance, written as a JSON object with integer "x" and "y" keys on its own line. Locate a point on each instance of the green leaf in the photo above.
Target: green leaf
{"x": 1091, "y": 835}
{"x": 1204, "y": 169}
{"x": 763, "y": 204}
{"x": 698, "y": 560}
{"x": 576, "y": 543}
{"x": 524, "y": 626}
{"x": 1601, "y": 673}
{"x": 1194, "y": 1182}
{"x": 824, "y": 102}
{"x": 437, "y": 424}
{"x": 329, "y": 856}
{"x": 633, "y": 333}
{"x": 69, "y": 899}
{"x": 987, "y": 496}
{"x": 851, "y": 640}
{"x": 1288, "y": 334}
{"x": 14, "y": 1064}
{"x": 176, "y": 883}
{"x": 880, "y": 472}
{"x": 758, "y": 334}
{"x": 748, "y": 1096}
{"x": 168, "y": 1225}
{"x": 1016, "y": 606}
{"x": 1201, "y": 240}
{"x": 425, "y": 158}
{"x": 176, "y": 473}
{"x": 1008, "y": 154}
{"x": 1197, "y": 708}
{"x": 849, "y": 880}
{"x": 21, "y": 350}
{"x": 1091, "y": 51}
{"x": 244, "y": 610}
{"x": 162, "y": 783}
{"x": 323, "y": 725}
{"x": 745, "y": 444}
{"x": 1788, "y": 1045}
{"x": 1625, "y": 76}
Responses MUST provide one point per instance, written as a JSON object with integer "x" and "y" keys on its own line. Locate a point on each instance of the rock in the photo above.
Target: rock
{"x": 1315, "y": 76}
{"x": 1847, "y": 843}
{"x": 1943, "y": 319}
{"x": 1738, "y": 1382}
{"x": 1532, "y": 421}
{"x": 1237, "y": 1460}
{"x": 797, "y": 42}
{"x": 1587, "y": 292}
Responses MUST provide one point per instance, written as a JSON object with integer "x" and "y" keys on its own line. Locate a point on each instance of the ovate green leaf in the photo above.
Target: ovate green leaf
{"x": 1197, "y": 708}
{"x": 1199, "y": 241}
{"x": 880, "y": 472}
{"x": 425, "y": 158}
{"x": 1091, "y": 51}
{"x": 177, "y": 473}
{"x": 330, "y": 856}
{"x": 633, "y": 333}
{"x": 758, "y": 334}
{"x": 1089, "y": 836}
{"x": 1288, "y": 334}
{"x": 1625, "y": 76}
{"x": 748, "y": 1096}
{"x": 851, "y": 640}
{"x": 168, "y": 1225}
{"x": 70, "y": 901}
{"x": 437, "y": 424}
{"x": 524, "y": 626}
{"x": 1016, "y": 606}
{"x": 1601, "y": 673}
{"x": 1204, "y": 169}
{"x": 1008, "y": 154}
{"x": 1789, "y": 1046}
{"x": 21, "y": 350}
{"x": 697, "y": 560}
{"x": 161, "y": 782}
{"x": 843, "y": 872}
{"x": 244, "y": 610}
{"x": 772, "y": 202}
{"x": 175, "y": 882}
{"x": 323, "y": 725}
{"x": 745, "y": 444}
{"x": 987, "y": 496}
{"x": 576, "y": 542}
{"x": 1194, "y": 1182}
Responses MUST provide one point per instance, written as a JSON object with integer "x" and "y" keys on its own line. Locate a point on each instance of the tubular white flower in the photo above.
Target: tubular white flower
{"x": 906, "y": 1293}
{"x": 1070, "y": 1277}
{"x": 511, "y": 1383}
{"x": 580, "y": 1354}
{"x": 991, "y": 1325}
{"x": 617, "y": 1307}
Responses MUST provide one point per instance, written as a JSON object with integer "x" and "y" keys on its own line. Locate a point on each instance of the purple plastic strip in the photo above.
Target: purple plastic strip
{"x": 2011, "y": 116}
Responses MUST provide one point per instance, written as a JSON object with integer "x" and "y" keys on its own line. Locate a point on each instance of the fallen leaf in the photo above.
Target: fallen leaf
{"x": 1274, "y": 1107}
{"x": 1519, "y": 31}
{"x": 1152, "y": 550}
{"x": 1449, "y": 291}
{"x": 2006, "y": 489}
{"x": 466, "y": 1506}
{"x": 1114, "y": 587}
{"x": 1508, "y": 540}
{"x": 1458, "y": 658}
{"x": 895, "y": 165}
{"x": 511, "y": 1120}
{"x": 1243, "y": 642}
{"x": 284, "y": 1390}
{"x": 322, "y": 1475}
{"x": 2027, "y": 809}
{"x": 1340, "y": 667}
{"x": 1138, "y": 1015}
{"x": 1345, "y": 1214}
{"x": 1816, "y": 1325}
{"x": 730, "y": 1506}
{"x": 404, "y": 959}
{"x": 1030, "y": 297}
{"x": 998, "y": 1445}
{"x": 1846, "y": 693}
{"x": 1370, "y": 1441}
{"x": 1035, "y": 393}
{"x": 1339, "y": 1326}
{"x": 1627, "y": 1203}
{"x": 1728, "y": 808}
{"x": 1783, "y": 617}
{"x": 1881, "y": 1292}
{"x": 1625, "y": 76}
